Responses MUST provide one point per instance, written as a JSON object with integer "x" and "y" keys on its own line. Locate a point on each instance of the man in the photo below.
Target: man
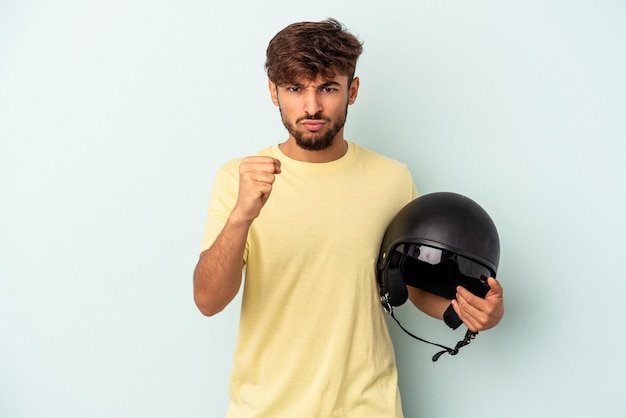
{"x": 306, "y": 218}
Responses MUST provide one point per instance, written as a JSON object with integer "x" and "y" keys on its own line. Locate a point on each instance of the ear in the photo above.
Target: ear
{"x": 273, "y": 91}
{"x": 354, "y": 90}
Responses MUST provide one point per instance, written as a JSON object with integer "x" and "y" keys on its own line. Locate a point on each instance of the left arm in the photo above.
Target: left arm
{"x": 429, "y": 303}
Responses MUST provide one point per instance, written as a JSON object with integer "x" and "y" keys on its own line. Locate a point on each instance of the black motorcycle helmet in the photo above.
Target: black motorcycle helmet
{"x": 437, "y": 242}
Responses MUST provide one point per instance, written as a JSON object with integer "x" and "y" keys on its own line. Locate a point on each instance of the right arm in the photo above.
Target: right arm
{"x": 217, "y": 276}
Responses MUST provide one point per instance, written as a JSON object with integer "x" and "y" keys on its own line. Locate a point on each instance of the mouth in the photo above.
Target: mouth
{"x": 313, "y": 125}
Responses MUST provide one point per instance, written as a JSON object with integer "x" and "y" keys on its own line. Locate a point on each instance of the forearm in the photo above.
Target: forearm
{"x": 217, "y": 276}
{"x": 428, "y": 303}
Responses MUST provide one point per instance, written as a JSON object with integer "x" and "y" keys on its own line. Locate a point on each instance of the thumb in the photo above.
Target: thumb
{"x": 277, "y": 166}
{"x": 495, "y": 289}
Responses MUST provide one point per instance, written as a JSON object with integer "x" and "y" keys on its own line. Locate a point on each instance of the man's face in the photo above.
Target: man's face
{"x": 314, "y": 111}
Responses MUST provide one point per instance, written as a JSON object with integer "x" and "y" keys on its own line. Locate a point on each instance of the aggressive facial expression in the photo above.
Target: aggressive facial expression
{"x": 314, "y": 112}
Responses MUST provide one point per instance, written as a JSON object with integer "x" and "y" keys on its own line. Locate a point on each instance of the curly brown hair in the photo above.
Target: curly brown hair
{"x": 306, "y": 50}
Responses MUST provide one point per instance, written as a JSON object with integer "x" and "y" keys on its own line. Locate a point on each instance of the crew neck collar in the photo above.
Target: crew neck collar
{"x": 308, "y": 166}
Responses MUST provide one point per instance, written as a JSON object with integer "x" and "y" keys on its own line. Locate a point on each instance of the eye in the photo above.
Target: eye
{"x": 328, "y": 89}
{"x": 294, "y": 89}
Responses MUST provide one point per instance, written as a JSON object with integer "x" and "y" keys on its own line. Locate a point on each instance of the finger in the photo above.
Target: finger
{"x": 261, "y": 163}
{"x": 474, "y": 319}
{"x": 477, "y": 313}
{"x": 467, "y": 319}
{"x": 258, "y": 169}
{"x": 494, "y": 286}
{"x": 258, "y": 177}
{"x": 460, "y": 290}
{"x": 467, "y": 311}
{"x": 260, "y": 186}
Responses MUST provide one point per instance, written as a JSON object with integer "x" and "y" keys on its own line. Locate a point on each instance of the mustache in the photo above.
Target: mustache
{"x": 317, "y": 116}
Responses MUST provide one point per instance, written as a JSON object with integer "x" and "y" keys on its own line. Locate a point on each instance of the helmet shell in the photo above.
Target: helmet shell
{"x": 445, "y": 220}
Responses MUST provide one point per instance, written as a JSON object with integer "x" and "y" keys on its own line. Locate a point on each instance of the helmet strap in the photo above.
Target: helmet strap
{"x": 451, "y": 318}
{"x": 469, "y": 336}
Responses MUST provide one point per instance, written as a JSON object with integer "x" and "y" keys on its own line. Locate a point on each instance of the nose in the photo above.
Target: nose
{"x": 312, "y": 103}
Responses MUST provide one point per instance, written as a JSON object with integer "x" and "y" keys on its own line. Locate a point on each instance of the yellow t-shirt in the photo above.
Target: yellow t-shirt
{"x": 313, "y": 341}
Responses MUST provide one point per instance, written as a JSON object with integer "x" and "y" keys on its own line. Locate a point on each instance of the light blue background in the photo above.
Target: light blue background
{"x": 115, "y": 115}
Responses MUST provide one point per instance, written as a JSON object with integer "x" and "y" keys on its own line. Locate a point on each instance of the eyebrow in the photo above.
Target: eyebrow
{"x": 330, "y": 83}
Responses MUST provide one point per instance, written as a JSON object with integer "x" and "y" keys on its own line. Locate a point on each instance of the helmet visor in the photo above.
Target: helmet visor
{"x": 440, "y": 271}
{"x": 466, "y": 266}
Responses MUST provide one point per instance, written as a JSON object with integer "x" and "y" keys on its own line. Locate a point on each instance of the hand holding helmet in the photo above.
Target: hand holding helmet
{"x": 445, "y": 244}
{"x": 480, "y": 314}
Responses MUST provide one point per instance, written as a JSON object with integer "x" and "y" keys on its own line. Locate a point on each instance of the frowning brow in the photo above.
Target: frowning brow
{"x": 329, "y": 83}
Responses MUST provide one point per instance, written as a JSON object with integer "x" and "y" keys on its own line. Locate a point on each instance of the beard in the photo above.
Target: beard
{"x": 315, "y": 141}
